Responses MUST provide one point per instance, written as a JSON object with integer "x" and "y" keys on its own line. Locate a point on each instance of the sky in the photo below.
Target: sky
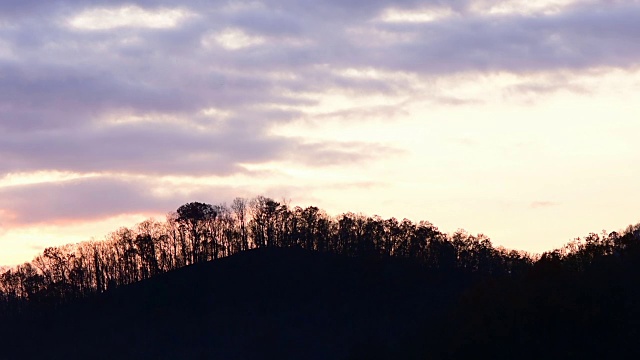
{"x": 516, "y": 119}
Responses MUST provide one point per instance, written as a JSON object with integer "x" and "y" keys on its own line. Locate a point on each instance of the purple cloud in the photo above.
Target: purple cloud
{"x": 79, "y": 199}
{"x": 95, "y": 198}
{"x": 59, "y": 84}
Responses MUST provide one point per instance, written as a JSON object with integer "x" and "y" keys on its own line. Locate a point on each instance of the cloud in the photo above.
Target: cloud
{"x": 233, "y": 39}
{"x": 179, "y": 70}
{"x": 232, "y": 57}
{"x": 343, "y": 153}
{"x": 168, "y": 148}
{"x": 69, "y": 200}
{"x": 128, "y": 16}
{"x": 575, "y": 39}
{"x": 95, "y": 198}
{"x": 124, "y": 87}
{"x": 544, "y": 88}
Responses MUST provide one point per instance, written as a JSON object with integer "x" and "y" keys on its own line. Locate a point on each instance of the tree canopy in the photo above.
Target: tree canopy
{"x": 514, "y": 294}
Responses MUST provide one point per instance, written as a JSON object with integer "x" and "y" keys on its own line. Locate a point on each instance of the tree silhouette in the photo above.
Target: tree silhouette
{"x": 196, "y": 216}
{"x": 559, "y": 299}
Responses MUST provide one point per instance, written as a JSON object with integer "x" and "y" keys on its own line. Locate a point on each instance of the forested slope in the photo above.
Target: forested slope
{"x": 261, "y": 280}
{"x": 269, "y": 303}
{"x": 199, "y": 232}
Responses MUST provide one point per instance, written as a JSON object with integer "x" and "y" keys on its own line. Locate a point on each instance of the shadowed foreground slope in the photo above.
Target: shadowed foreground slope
{"x": 266, "y": 303}
{"x": 290, "y": 303}
{"x": 317, "y": 287}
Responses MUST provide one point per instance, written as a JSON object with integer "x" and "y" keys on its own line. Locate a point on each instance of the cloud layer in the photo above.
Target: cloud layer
{"x": 194, "y": 88}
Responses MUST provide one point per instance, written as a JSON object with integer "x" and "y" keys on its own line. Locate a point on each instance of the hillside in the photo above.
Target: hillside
{"x": 264, "y": 303}
{"x": 214, "y": 283}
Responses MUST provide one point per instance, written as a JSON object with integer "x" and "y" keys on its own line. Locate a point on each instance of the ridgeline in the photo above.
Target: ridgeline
{"x": 258, "y": 280}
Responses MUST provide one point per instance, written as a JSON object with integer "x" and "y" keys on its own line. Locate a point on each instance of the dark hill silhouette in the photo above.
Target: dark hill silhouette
{"x": 566, "y": 308}
{"x": 260, "y": 280}
{"x": 270, "y": 303}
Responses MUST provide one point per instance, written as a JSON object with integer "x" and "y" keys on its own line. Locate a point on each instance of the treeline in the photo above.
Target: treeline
{"x": 199, "y": 232}
{"x": 579, "y": 302}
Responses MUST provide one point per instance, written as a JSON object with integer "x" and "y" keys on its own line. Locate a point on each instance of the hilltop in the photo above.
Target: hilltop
{"x": 264, "y": 303}
{"x": 263, "y": 281}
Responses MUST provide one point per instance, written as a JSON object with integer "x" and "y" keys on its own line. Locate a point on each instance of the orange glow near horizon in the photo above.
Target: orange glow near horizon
{"x": 22, "y": 243}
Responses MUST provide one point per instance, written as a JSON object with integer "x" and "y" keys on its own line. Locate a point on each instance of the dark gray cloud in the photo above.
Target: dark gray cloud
{"x": 95, "y": 198}
{"x": 59, "y": 85}
{"x": 577, "y": 39}
{"x": 88, "y": 199}
{"x": 172, "y": 148}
